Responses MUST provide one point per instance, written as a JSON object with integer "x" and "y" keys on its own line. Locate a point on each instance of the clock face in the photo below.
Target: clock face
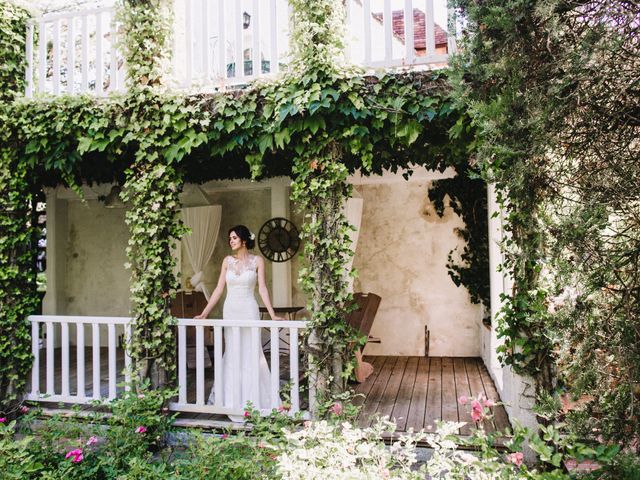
{"x": 278, "y": 239}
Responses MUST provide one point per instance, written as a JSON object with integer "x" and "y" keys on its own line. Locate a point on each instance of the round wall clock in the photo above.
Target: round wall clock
{"x": 278, "y": 239}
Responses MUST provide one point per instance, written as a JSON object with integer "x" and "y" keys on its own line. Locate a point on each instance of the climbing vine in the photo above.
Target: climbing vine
{"x": 13, "y": 24}
{"x": 18, "y": 296}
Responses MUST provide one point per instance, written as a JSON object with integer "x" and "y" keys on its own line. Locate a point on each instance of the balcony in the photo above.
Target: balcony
{"x": 220, "y": 44}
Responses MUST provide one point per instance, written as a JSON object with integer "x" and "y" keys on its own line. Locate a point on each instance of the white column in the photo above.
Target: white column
{"x": 496, "y": 280}
{"x": 281, "y": 272}
{"x": 53, "y": 303}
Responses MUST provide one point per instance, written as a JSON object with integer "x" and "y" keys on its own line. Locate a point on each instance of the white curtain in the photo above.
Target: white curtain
{"x": 353, "y": 212}
{"x": 204, "y": 223}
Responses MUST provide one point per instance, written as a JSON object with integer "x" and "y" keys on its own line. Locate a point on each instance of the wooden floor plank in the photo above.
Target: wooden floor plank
{"x": 403, "y": 402}
{"x": 415, "y": 417}
{"x": 433, "y": 411}
{"x": 462, "y": 388}
{"x": 476, "y": 385}
{"x": 499, "y": 413}
{"x": 449, "y": 398}
{"x": 388, "y": 399}
{"x": 372, "y": 401}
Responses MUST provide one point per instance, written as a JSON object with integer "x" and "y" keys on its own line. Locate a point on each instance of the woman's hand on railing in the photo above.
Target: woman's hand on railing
{"x": 274, "y": 317}
{"x": 202, "y": 316}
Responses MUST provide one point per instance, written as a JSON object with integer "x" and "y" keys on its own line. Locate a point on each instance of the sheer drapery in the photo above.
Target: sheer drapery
{"x": 204, "y": 223}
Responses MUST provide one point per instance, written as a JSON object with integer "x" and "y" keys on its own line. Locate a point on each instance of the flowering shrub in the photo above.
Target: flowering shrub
{"x": 338, "y": 450}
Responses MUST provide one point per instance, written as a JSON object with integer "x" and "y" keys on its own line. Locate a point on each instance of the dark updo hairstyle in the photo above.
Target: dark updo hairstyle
{"x": 245, "y": 235}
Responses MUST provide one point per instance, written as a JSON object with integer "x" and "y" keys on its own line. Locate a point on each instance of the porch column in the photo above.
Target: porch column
{"x": 281, "y": 272}
{"x": 496, "y": 279}
{"x": 57, "y": 226}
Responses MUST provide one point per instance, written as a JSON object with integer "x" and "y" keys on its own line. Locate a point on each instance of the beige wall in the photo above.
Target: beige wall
{"x": 401, "y": 256}
{"x": 95, "y": 280}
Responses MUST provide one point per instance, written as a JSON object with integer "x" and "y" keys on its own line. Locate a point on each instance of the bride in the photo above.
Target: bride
{"x": 239, "y": 273}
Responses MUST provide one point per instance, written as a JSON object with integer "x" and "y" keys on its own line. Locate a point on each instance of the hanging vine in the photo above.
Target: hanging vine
{"x": 18, "y": 295}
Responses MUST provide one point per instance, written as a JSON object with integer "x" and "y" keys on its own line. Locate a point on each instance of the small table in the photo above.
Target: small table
{"x": 291, "y": 312}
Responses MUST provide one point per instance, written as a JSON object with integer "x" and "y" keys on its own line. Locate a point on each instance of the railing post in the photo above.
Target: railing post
{"x": 96, "y": 359}
{"x": 71, "y": 54}
{"x": 199, "y": 365}
{"x": 55, "y": 51}
{"x": 112, "y": 361}
{"x": 80, "y": 366}
{"x": 182, "y": 364}
{"x": 35, "y": 351}
{"x": 50, "y": 359}
{"x": 217, "y": 366}
{"x": 409, "y": 32}
{"x": 64, "y": 343}
{"x": 295, "y": 374}
{"x": 99, "y": 55}
{"x": 275, "y": 366}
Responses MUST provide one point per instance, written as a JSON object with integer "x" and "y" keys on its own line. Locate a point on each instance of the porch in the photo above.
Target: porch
{"x": 415, "y": 391}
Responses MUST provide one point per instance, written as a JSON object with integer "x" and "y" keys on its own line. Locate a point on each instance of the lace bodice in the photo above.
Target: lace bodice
{"x": 238, "y": 267}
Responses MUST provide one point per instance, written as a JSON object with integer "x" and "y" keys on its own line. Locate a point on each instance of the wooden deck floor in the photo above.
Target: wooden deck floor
{"x": 418, "y": 391}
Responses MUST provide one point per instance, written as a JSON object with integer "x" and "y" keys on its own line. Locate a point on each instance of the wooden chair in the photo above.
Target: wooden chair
{"x": 361, "y": 319}
{"x": 188, "y": 305}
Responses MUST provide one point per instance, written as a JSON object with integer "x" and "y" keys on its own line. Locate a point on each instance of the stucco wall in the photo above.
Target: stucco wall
{"x": 95, "y": 281}
{"x": 401, "y": 256}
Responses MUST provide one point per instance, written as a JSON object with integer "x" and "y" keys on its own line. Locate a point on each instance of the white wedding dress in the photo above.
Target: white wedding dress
{"x": 240, "y": 304}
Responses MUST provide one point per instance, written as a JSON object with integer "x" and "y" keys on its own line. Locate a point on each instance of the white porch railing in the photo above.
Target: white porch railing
{"x": 59, "y": 346}
{"x": 219, "y": 43}
{"x": 73, "y": 52}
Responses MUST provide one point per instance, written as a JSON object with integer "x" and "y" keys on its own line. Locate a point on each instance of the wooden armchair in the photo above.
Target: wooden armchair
{"x": 361, "y": 319}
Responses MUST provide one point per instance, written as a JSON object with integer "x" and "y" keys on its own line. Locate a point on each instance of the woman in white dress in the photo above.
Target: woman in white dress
{"x": 239, "y": 274}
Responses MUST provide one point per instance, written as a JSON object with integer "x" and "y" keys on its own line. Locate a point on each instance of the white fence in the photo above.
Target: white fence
{"x": 60, "y": 344}
{"x": 219, "y": 43}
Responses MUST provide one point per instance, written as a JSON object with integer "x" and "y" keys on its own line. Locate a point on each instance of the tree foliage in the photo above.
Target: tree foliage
{"x": 553, "y": 90}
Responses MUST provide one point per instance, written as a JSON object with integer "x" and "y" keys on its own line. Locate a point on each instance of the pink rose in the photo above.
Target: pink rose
{"x": 284, "y": 408}
{"x": 489, "y": 403}
{"x": 463, "y": 400}
{"x": 246, "y": 414}
{"x": 141, "y": 396}
{"x": 141, "y": 429}
{"x": 224, "y": 436}
{"x": 75, "y": 455}
{"x": 477, "y": 412}
{"x": 515, "y": 458}
{"x": 3, "y": 419}
{"x": 336, "y": 408}
{"x": 24, "y": 409}
{"x": 92, "y": 440}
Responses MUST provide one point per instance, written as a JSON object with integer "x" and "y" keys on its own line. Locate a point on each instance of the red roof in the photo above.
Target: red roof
{"x": 419, "y": 30}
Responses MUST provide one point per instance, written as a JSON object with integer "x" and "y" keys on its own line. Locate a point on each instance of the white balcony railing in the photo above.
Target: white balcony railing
{"x": 74, "y": 52}
{"x": 73, "y": 362}
{"x": 219, "y": 43}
